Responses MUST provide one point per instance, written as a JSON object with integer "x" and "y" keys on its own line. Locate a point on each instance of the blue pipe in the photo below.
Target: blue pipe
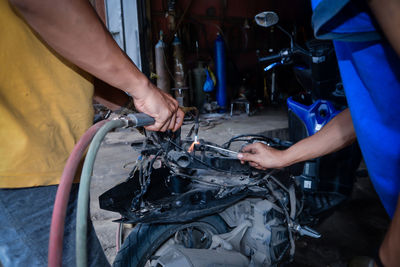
{"x": 220, "y": 68}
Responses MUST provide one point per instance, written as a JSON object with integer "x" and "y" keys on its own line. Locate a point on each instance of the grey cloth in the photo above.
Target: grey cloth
{"x": 25, "y": 218}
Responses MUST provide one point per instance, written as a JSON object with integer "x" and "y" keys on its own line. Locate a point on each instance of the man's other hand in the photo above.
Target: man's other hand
{"x": 261, "y": 156}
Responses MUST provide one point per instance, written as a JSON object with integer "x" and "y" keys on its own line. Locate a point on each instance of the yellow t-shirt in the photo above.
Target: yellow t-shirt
{"x": 45, "y": 106}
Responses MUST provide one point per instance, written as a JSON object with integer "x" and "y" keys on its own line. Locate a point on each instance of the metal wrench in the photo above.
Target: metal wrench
{"x": 223, "y": 151}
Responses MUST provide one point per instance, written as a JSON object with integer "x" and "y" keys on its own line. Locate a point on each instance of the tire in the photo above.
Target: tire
{"x": 146, "y": 239}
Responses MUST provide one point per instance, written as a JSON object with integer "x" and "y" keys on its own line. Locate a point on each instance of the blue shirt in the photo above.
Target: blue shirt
{"x": 370, "y": 71}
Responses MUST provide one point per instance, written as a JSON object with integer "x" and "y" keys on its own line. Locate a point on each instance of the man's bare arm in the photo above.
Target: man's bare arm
{"x": 73, "y": 29}
{"x": 337, "y": 134}
{"x": 387, "y": 13}
{"x": 109, "y": 96}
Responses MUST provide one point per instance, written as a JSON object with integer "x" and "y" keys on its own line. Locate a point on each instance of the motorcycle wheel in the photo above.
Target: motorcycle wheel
{"x": 149, "y": 240}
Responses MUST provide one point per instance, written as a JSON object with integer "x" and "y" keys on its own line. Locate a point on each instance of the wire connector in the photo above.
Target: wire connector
{"x": 137, "y": 120}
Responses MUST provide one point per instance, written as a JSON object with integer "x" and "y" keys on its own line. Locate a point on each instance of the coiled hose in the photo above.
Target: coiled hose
{"x": 60, "y": 205}
{"x": 131, "y": 120}
{"x": 99, "y": 130}
{"x": 83, "y": 194}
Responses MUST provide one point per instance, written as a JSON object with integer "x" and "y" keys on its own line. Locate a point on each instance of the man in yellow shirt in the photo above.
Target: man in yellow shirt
{"x": 49, "y": 51}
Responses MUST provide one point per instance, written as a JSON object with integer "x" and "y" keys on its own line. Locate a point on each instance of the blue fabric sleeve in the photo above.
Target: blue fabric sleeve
{"x": 342, "y": 20}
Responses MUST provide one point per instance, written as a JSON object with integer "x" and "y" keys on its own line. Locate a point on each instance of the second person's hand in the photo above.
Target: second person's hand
{"x": 261, "y": 156}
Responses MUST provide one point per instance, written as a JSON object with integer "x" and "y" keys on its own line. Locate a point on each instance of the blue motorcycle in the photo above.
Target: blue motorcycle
{"x": 327, "y": 181}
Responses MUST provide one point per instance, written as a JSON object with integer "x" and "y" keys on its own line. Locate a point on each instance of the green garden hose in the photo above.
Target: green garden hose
{"x": 130, "y": 120}
{"x": 84, "y": 191}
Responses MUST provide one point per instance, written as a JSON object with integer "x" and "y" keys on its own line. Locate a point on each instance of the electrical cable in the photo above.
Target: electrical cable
{"x": 145, "y": 180}
{"x": 288, "y": 220}
{"x": 63, "y": 191}
{"x": 84, "y": 187}
{"x": 227, "y": 144}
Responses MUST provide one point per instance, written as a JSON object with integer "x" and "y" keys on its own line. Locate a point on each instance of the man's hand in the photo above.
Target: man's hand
{"x": 162, "y": 107}
{"x": 262, "y": 157}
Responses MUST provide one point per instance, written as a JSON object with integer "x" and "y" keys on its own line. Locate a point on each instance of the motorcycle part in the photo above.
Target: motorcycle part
{"x": 305, "y": 231}
{"x": 261, "y": 207}
{"x": 148, "y": 241}
{"x": 266, "y": 19}
{"x": 260, "y": 230}
{"x": 188, "y": 185}
{"x": 181, "y": 257}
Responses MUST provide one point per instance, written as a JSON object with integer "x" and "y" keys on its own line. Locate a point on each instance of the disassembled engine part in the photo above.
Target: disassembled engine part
{"x": 171, "y": 185}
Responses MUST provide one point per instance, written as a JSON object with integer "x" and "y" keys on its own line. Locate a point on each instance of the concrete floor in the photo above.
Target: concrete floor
{"x": 354, "y": 229}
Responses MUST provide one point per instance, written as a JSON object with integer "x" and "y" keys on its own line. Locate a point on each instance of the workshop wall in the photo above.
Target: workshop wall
{"x": 207, "y": 17}
{"x": 197, "y": 23}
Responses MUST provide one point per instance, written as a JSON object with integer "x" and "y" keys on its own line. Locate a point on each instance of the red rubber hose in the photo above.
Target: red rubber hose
{"x": 62, "y": 196}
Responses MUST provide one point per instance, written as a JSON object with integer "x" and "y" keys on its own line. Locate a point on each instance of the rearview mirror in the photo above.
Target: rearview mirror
{"x": 266, "y": 19}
